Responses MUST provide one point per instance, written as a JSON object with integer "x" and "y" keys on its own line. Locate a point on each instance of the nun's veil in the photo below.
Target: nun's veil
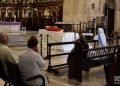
{"x": 101, "y": 37}
{"x": 81, "y": 43}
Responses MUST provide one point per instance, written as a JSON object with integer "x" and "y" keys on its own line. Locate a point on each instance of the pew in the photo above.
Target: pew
{"x": 90, "y": 58}
{"x": 61, "y": 67}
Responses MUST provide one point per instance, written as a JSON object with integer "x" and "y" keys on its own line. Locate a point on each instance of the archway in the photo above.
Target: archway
{"x": 109, "y": 12}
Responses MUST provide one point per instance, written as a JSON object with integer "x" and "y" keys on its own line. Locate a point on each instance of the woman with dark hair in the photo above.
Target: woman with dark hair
{"x": 31, "y": 63}
{"x": 32, "y": 43}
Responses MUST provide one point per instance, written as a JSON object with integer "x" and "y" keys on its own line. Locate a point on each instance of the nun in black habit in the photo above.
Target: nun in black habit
{"x": 74, "y": 59}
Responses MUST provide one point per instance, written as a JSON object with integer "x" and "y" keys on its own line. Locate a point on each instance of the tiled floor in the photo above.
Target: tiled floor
{"x": 94, "y": 78}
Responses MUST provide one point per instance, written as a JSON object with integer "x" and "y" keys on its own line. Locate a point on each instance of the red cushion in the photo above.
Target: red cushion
{"x": 53, "y": 28}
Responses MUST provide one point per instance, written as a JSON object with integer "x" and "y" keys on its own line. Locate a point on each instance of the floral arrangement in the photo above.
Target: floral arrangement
{"x": 53, "y": 28}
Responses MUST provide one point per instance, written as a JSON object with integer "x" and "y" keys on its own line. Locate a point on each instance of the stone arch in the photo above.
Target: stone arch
{"x": 111, "y": 4}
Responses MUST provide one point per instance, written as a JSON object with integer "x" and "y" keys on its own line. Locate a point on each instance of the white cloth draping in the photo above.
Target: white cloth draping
{"x": 101, "y": 38}
{"x": 55, "y": 37}
{"x": 10, "y": 27}
{"x": 87, "y": 34}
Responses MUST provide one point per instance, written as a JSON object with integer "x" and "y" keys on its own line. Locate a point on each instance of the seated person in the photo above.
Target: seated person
{"x": 6, "y": 54}
{"x": 31, "y": 63}
{"x": 74, "y": 59}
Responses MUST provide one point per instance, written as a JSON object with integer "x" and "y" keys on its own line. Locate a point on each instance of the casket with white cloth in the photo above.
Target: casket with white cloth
{"x": 60, "y": 36}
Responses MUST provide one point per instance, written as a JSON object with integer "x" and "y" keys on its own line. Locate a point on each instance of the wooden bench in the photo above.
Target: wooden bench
{"x": 90, "y": 58}
{"x": 100, "y": 56}
{"x": 61, "y": 67}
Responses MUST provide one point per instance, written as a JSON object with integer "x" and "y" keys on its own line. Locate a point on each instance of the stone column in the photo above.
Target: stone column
{"x": 102, "y": 5}
{"x": 117, "y": 15}
{"x": 68, "y": 10}
{"x": 0, "y": 15}
{"x": 117, "y": 20}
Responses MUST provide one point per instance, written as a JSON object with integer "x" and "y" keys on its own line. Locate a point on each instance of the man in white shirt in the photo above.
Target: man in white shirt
{"x": 31, "y": 63}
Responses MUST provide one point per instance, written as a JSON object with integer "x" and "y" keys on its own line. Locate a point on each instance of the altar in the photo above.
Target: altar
{"x": 60, "y": 36}
{"x": 10, "y": 27}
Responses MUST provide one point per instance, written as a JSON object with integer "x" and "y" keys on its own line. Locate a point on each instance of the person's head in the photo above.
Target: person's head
{"x": 81, "y": 43}
{"x": 32, "y": 42}
{"x": 82, "y": 38}
{"x": 100, "y": 30}
{"x": 3, "y": 38}
{"x": 101, "y": 37}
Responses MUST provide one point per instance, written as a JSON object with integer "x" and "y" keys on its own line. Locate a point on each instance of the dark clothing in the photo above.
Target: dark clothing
{"x": 74, "y": 60}
{"x": 112, "y": 72}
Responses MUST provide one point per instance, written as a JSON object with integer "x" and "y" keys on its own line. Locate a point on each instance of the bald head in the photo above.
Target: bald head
{"x": 3, "y": 38}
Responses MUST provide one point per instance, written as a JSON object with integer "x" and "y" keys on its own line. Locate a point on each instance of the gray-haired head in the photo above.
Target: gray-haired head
{"x": 3, "y": 38}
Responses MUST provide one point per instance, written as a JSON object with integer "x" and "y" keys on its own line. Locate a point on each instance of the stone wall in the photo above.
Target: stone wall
{"x": 117, "y": 16}
{"x": 84, "y": 10}
{"x": 81, "y": 10}
{"x": 67, "y": 10}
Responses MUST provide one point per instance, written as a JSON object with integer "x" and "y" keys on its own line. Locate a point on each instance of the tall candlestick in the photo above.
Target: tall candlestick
{"x": 18, "y": 13}
{"x": 6, "y": 13}
{"x": 0, "y": 12}
{"x": 14, "y": 18}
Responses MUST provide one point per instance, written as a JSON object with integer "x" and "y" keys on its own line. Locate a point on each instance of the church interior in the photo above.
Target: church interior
{"x": 59, "y": 26}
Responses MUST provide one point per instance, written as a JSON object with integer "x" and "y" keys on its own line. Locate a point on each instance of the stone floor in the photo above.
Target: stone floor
{"x": 96, "y": 76}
